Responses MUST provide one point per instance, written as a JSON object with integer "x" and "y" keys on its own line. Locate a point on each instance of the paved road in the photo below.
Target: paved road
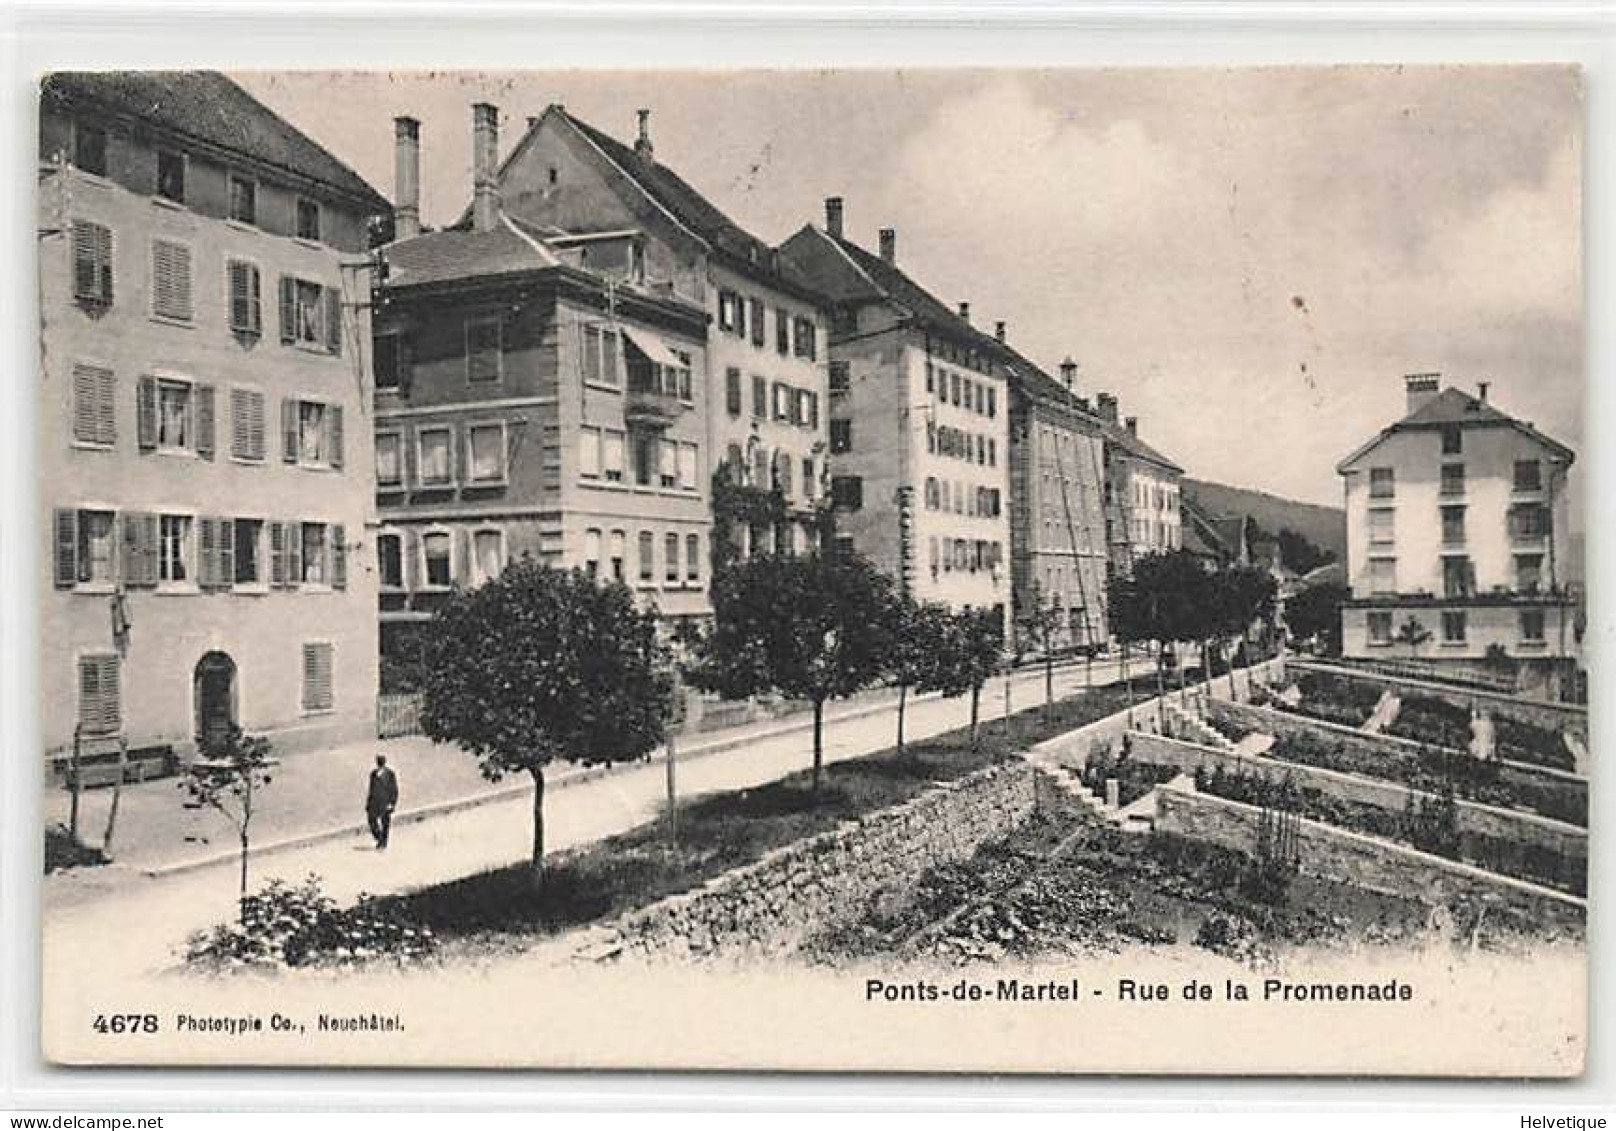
{"x": 149, "y": 917}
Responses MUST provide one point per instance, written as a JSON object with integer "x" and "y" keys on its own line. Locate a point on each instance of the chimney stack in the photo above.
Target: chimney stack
{"x": 889, "y": 245}
{"x": 1422, "y": 389}
{"x": 406, "y": 178}
{"x": 1481, "y": 387}
{"x": 965, "y": 311}
{"x": 1068, "y": 372}
{"x": 642, "y": 144}
{"x": 998, "y": 332}
{"x": 1107, "y": 404}
{"x": 484, "y": 167}
{"x": 833, "y": 216}
{"x": 1132, "y": 425}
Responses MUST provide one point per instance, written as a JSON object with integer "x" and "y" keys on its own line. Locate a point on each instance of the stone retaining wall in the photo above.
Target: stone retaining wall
{"x": 771, "y": 905}
{"x": 1365, "y": 861}
{"x": 1551, "y": 716}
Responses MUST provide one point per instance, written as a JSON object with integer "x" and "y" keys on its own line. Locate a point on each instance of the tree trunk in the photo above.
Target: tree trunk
{"x": 819, "y": 742}
{"x": 1161, "y": 689}
{"x": 117, "y": 798}
{"x": 1049, "y": 686}
{"x": 903, "y": 698}
{"x": 244, "y": 851}
{"x": 1007, "y": 724}
{"x": 671, "y": 755}
{"x": 1127, "y": 684}
{"x": 1232, "y": 656}
{"x": 976, "y": 699}
{"x": 535, "y": 865}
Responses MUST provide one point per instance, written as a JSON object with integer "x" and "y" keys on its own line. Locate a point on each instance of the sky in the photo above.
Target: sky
{"x": 1250, "y": 258}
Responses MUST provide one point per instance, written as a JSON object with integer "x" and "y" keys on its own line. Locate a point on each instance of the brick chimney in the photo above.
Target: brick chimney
{"x": 1106, "y": 405}
{"x": 889, "y": 245}
{"x": 484, "y": 167}
{"x": 1481, "y": 390}
{"x": 833, "y": 216}
{"x": 1068, "y": 372}
{"x": 998, "y": 332}
{"x": 965, "y": 311}
{"x": 1422, "y": 389}
{"x": 642, "y": 142}
{"x": 406, "y": 178}
{"x": 1132, "y": 425}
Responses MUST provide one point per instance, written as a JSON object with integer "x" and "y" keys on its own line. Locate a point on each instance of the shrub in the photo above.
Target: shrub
{"x": 63, "y": 851}
{"x": 284, "y": 926}
{"x": 1516, "y": 741}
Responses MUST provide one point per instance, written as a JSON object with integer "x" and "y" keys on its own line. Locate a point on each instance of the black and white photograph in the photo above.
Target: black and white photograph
{"x": 954, "y": 570}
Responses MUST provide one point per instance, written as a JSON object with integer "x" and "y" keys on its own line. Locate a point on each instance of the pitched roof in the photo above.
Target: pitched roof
{"x": 207, "y": 106}
{"x": 1137, "y": 448}
{"x": 1457, "y": 408}
{"x": 439, "y": 257}
{"x": 888, "y": 281}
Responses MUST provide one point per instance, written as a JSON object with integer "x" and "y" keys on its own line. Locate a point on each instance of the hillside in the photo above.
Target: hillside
{"x": 1325, "y": 527}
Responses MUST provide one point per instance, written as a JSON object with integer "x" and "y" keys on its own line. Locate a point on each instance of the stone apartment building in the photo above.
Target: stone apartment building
{"x": 204, "y": 421}
{"x": 919, "y": 423}
{"x": 1458, "y": 525}
{"x": 764, "y": 384}
{"x": 537, "y": 394}
{"x": 1142, "y": 492}
{"x": 1058, "y": 550}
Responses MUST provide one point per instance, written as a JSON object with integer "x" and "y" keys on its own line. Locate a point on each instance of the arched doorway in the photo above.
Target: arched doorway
{"x": 215, "y": 685}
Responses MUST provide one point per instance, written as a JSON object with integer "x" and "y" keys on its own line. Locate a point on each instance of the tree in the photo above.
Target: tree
{"x": 1412, "y": 633}
{"x": 227, "y": 777}
{"x": 1298, "y": 553}
{"x": 920, "y": 633}
{"x": 1315, "y": 612}
{"x": 1245, "y": 595}
{"x": 540, "y": 665}
{"x": 1166, "y": 599}
{"x": 817, "y": 627}
{"x": 1036, "y": 625}
{"x": 972, "y": 654}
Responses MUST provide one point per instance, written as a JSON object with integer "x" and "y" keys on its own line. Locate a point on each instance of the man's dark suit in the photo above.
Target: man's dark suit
{"x": 380, "y": 803}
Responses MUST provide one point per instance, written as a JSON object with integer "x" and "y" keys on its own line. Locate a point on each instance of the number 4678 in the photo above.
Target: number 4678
{"x": 125, "y": 1023}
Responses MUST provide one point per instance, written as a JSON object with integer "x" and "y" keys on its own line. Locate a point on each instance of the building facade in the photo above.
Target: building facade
{"x": 536, "y": 396}
{"x": 204, "y": 423}
{"x": 1142, "y": 492}
{"x": 767, "y": 339}
{"x": 919, "y": 424}
{"x": 1457, "y": 536}
{"x": 1058, "y": 549}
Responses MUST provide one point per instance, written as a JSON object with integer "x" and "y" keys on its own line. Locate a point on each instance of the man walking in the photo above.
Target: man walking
{"x": 381, "y": 800}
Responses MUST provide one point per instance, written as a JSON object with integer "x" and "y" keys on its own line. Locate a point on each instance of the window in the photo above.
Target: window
{"x": 486, "y": 443}
{"x": 1528, "y": 475}
{"x": 601, "y": 356}
{"x": 483, "y": 348}
{"x": 781, "y": 476}
{"x": 247, "y": 426}
{"x": 847, "y": 492}
{"x": 1382, "y": 526}
{"x": 94, "y": 406}
{"x": 611, "y": 455}
{"x": 1382, "y": 575}
{"x": 1453, "y": 479}
{"x": 171, "y": 280}
{"x": 390, "y": 360}
{"x": 1382, "y": 482}
{"x": 841, "y": 436}
{"x": 689, "y": 456}
{"x": 312, "y": 433}
{"x": 803, "y": 336}
{"x": 174, "y": 548}
{"x": 1528, "y": 572}
{"x": 732, "y": 391}
{"x": 311, "y": 314}
{"x": 645, "y": 449}
{"x": 389, "y": 459}
{"x": 993, "y": 402}
{"x": 434, "y": 457}
{"x": 731, "y": 314}
{"x": 589, "y": 453}
{"x": 782, "y": 331}
{"x": 1529, "y": 522}
{"x": 592, "y": 553}
{"x": 993, "y": 453}
{"x": 313, "y": 548}
{"x": 84, "y": 548}
{"x": 1453, "y": 626}
{"x": 390, "y": 560}
{"x": 1452, "y": 440}
{"x": 757, "y": 322}
{"x": 90, "y": 148}
{"x": 317, "y": 681}
{"x": 242, "y": 284}
{"x": 693, "y": 558}
{"x": 487, "y": 555}
{"x": 1458, "y": 577}
{"x": 437, "y": 562}
{"x": 92, "y": 263}
{"x": 933, "y": 495}
{"x": 1380, "y": 628}
{"x": 667, "y": 464}
{"x": 782, "y": 402}
{"x": 100, "y": 709}
{"x": 619, "y": 548}
{"x": 1532, "y": 626}
{"x": 647, "y": 556}
{"x": 760, "y": 466}
{"x": 954, "y": 388}
{"x": 760, "y": 398}
{"x": 243, "y": 199}
{"x": 670, "y": 542}
{"x": 171, "y": 175}
{"x": 171, "y": 416}
{"x": 308, "y": 220}
{"x": 810, "y": 479}
{"x": 1453, "y": 525}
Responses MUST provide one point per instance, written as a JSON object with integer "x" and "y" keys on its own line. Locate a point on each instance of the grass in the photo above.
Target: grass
{"x": 500, "y": 909}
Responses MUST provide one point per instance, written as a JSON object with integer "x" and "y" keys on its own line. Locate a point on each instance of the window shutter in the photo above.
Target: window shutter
{"x": 333, "y": 319}
{"x": 146, "y": 413}
{"x": 139, "y": 547}
{"x": 246, "y": 317}
{"x": 289, "y": 444}
{"x": 93, "y": 418}
{"x": 100, "y": 711}
{"x": 277, "y": 555}
{"x": 227, "y": 552}
{"x": 294, "y": 554}
{"x": 203, "y": 398}
{"x": 257, "y": 444}
{"x": 288, "y": 304}
{"x": 92, "y": 262}
{"x": 317, "y": 694}
{"x": 171, "y": 279}
{"x": 338, "y": 537}
{"x": 67, "y": 548}
{"x": 241, "y": 424}
{"x": 333, "y": 424}
{"x": 207, "y": 553}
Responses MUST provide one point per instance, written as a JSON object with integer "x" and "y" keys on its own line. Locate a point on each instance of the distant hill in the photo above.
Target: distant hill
{"x": 1325, "y": 527}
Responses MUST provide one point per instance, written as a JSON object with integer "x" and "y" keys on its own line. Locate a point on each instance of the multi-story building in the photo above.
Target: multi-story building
{"x": 1457, "y": 536}
{"x": 536, "y": 395}
{"x": 766, "y": 355}
{"x": 204, "y": 420}
{"x": 1058, "y": 548}
{"x": 919, "y": 437}
{"x": 1142, "y": 492}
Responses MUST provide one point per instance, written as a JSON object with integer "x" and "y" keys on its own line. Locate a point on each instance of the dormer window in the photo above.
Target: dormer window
{"x": 90, "y": 148}
{"x": 1452, "y": 440}
{"x": 308, "y": 220}
{"x": 171, "y": 175}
